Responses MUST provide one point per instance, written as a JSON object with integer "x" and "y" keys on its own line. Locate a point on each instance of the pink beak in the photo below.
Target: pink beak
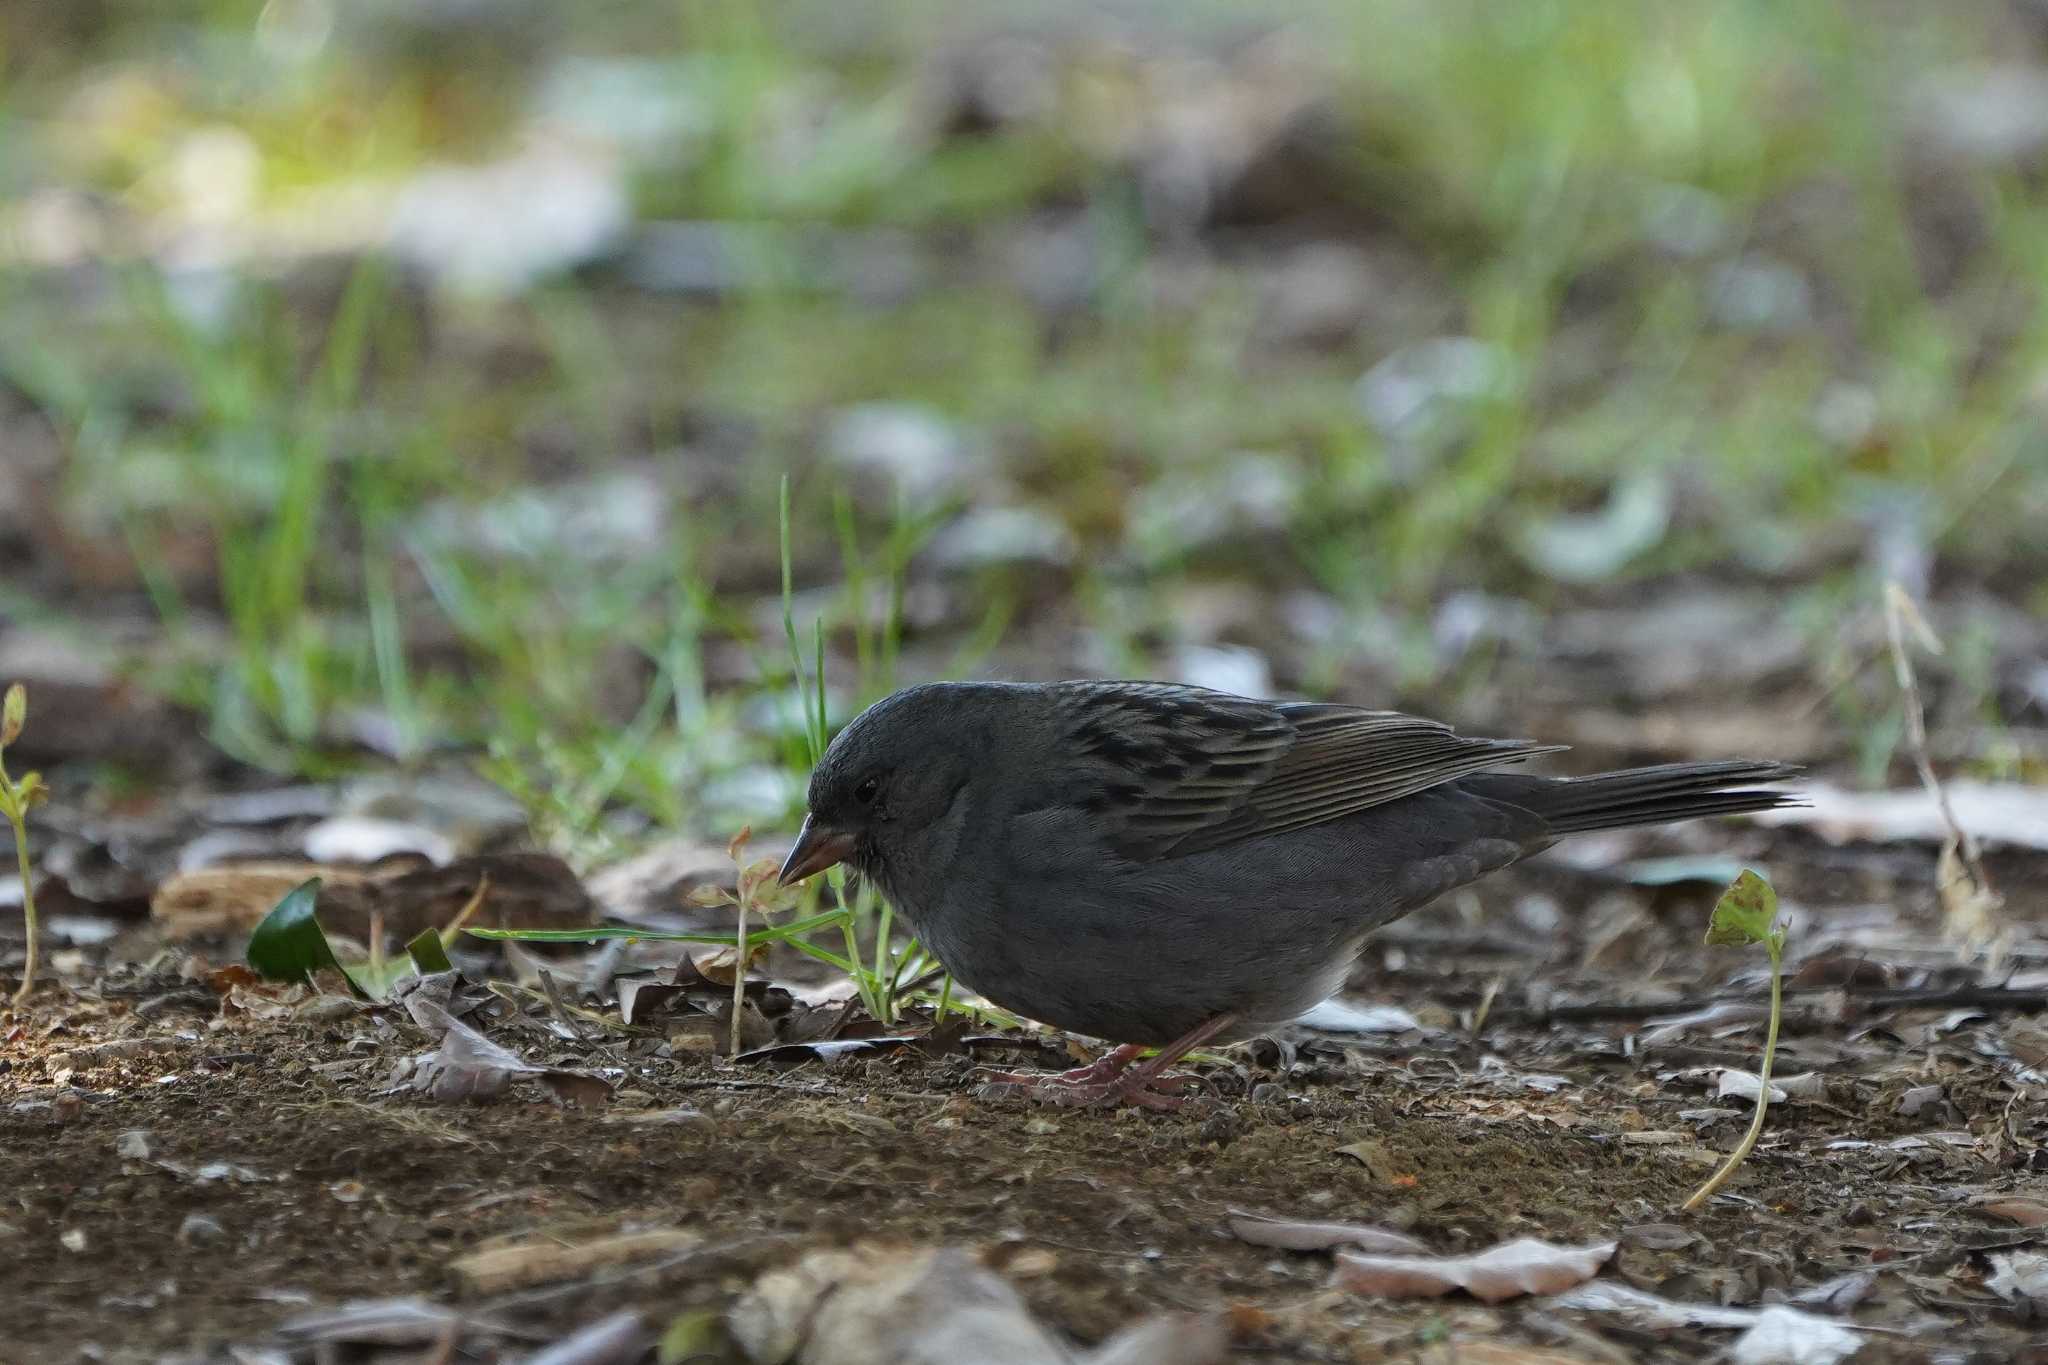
{"x": 817, "y": 848}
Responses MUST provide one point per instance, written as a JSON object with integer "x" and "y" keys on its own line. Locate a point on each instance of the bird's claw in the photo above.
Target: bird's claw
{"x": 1146, "y": 1091}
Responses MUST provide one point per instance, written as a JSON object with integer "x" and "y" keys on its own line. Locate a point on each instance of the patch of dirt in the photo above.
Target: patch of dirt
{"x": 209, "y": 1176}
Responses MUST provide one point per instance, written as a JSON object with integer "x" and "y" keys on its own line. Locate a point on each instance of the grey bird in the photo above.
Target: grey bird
{"x": 1160, "y": 865}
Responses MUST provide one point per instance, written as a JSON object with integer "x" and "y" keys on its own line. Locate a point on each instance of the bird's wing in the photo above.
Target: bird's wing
{"x": 1171, "y": 770}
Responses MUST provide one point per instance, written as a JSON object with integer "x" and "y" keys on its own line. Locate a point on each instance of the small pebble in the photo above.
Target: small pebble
{"x": 199, "y": 1229}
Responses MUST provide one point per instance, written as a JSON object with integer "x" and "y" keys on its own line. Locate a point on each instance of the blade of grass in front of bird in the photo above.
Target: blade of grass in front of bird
{"x": 596, "y": 932}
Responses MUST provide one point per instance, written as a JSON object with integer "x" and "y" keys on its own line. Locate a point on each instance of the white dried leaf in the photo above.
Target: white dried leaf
{"x": 1291, "y": 1234}
{"x": 1786, "y": 1336}
{"x": 1525, "y": 1266}
{"x": 2020, "y": 1275}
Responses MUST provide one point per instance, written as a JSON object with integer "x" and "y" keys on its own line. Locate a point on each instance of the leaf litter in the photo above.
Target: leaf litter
{"x": 1364, "y": 1149}
{"x": 1522, "y": 1066}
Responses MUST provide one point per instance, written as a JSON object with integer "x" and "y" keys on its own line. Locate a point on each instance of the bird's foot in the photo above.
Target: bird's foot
{"x": 1112, "y": 1079}
{"x": 1146, "y": 1090}
{"x": 1104, "y": 1067}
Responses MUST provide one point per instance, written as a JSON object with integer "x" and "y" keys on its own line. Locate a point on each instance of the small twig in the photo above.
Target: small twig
{"x": 1899, "y": 612}
{"x": 560, "y": 1007}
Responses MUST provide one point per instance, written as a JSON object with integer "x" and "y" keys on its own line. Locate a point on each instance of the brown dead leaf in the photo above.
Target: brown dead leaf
{"x": 545, "y": 1259}
{"x": 2028, "y": 1213}
{"x": 1374, "y": 1156}
{"x": 218, "y": 901}
{"x": 230, "y": 977}
{"x": 1294, "y": 1235}
{"x": 1512, "y": 1269}
{"x": 527, "y": 891}
{"x": 718, "y": 965}
{"x": 643, "y": 996}
{"x": 578, "y": 1089}
{"x": 2028, "y": 1043}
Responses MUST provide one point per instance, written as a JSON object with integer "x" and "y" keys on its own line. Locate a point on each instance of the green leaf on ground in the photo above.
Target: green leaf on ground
{"x": 289, "y": 944}
{"x": 428, "y": 953}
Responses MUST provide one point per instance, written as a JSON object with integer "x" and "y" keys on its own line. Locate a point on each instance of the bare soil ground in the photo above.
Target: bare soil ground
{"x": 183, "y": 1175}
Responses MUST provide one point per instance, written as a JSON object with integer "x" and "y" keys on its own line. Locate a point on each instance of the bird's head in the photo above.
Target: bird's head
{"x": 890, "y": 779}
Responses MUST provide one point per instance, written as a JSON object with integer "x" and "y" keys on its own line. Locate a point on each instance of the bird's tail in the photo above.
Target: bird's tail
{"x": 1643, "y": 796}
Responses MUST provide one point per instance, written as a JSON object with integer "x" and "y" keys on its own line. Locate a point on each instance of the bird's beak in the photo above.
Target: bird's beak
{"x": 817, "y": 848}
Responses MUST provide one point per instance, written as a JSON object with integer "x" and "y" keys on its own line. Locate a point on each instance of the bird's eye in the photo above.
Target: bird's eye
{"x": 865, "y": 792}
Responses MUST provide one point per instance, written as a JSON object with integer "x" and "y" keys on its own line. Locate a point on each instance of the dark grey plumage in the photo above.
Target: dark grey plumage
{"x": 1130, "y": 860}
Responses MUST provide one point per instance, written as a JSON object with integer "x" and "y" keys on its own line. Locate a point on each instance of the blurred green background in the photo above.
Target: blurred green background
{"x": 415, "y": 382}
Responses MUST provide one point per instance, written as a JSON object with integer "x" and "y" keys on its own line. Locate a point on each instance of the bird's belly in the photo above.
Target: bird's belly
{"x": 1139, "y": 961}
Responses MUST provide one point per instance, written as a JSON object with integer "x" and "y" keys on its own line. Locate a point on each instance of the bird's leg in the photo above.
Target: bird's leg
{"x": 1116, "y": 1081}
{"x": 1104, "y": 1068}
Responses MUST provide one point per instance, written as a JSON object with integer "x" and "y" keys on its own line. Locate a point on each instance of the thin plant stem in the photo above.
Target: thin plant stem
{"x": 885, "y": 980}
{"x": 15, "y": 801}
{"x": 28, "y": 899}
{"x": 739, "y": 976}
{"x": 1763, "y": 1092}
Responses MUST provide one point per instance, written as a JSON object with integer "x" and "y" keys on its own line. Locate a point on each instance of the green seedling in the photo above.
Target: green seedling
{"x": 891, "y": 972}
{"x": 290, "y": 945}
{"x": 17, "y": 799}
{"x": 880, "y": 985}
{"x": 1747, "y": 913}
{"x": 756, "y": 889}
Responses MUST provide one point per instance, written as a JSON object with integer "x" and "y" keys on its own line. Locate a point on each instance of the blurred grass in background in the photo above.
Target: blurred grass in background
{"x": 417, "y": 378}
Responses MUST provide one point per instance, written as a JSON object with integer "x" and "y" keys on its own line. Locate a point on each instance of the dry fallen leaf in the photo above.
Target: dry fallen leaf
{"x": 219, "y": 901}
{"x": 1771, "y": 1336}
{"x": 1293, "y": 1235}
{"x": 469, "y": 1066}
{"x": 548, "y": 1258}
{"x": 1659, "y": 1236}
{"x": 888, "y": 1305}
{"x": 1174, "y": 1339}
{"x": 2020, "y": 1277}
{"x": 2028, "y": 1213}
{"x": 718, "y": 965}
{"x": 1525, "y": 1266}
{"x": 1786, "y": 1336}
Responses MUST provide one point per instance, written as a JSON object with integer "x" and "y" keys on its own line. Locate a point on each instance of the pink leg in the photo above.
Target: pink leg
{"x": 1114, "y": 1080}
{"x": 1106, "y": 1067}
